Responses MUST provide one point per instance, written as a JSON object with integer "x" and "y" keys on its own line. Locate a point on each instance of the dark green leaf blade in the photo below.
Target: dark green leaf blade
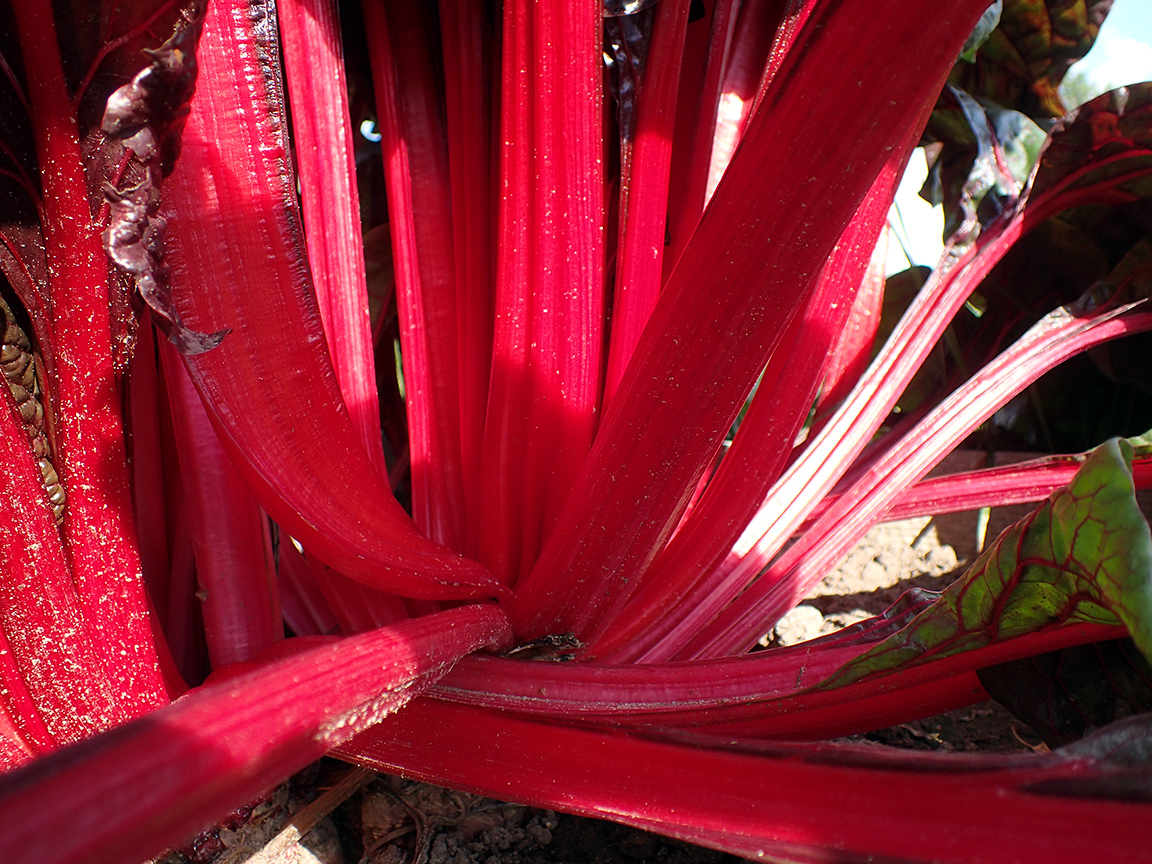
{"x": 1065, "y": 694}
{"x": 1085, "y": 555}
{"x": 1022, "y": 62}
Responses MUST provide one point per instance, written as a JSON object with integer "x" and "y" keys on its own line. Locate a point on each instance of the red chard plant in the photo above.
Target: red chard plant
{"x": 501, "y": 489}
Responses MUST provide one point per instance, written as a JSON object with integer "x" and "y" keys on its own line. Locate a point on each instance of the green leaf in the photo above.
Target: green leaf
{"x": 1022, "y": 62}
{"x": 1085, "y": 555}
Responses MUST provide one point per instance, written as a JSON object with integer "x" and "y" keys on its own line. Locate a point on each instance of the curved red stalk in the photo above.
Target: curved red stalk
{"x": 150, "y": 784}
{"x": 235, "y": 573}
{"x": 420, "y": 214}
{"x": 752, "y": 263}
{"x": 100, "y": 537}
{"x": 292, "y": 443}
{"x": 812, "y": 803}
{"x": 322, "y": 134}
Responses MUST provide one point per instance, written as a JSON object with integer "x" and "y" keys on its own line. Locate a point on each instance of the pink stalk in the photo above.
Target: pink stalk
{"x": 283, "y": 439}
{"x": 763, "y": 445}
{"x": 798, "y": 803}
{"x": 131, "y": 794}
{"x": 1021, "y": 483}
{"x": 826, "y": 458}
{"x": 420, "y": 213}
{"x": 794, "y": 573}
{"x": 235, "y": 573}
{"x": 644, "y": 190}
{"x": 100, "y": 540}
{"x": 468, "y": 69}
{"x": 632, "y": 491}
{"x": 322, "y": 134}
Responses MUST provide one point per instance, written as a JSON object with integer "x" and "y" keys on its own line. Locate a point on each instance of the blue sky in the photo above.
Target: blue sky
{"x": 1123, "y": 50}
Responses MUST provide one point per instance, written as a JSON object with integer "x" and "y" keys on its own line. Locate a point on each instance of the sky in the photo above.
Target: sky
{"x": 1122, "y": 55}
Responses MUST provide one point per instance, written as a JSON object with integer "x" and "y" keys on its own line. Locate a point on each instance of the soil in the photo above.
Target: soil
{"x": 386, "y": 820}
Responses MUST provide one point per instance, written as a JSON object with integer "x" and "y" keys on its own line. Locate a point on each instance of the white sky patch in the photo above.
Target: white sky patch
{"x": 1123, "y": 50}
{"x": 917, "y": 225}
{"x": 1117, "y": 61}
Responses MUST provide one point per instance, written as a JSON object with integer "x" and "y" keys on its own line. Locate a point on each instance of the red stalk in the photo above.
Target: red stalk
{"x": 771, "y": 694}
{"x": 758, "y": 21}
{"x": 826, "y": 458}
{"x": 800, "y": 803}
{"x": 853, "y": 350}
{"x": 468, "y": 67}
{"x": 640, "y": 254}
{"x": 357, "y": 608}
{"x": 148, "y": 785}
{"x": 695, "y": 130}
{"x": 997, "y": 487}
{"x": 145, "y": 399}
{"x": 283, "y": 439}
{"x": 235, "y": 573}
{"x": 420, "y": 213}
{"x": 322, "y": 134}
{"x": 549, "y": 277}
{"x": 567, "y": 238}
{"x": 306, "y": 611}
{"x": 501, "y": 470}
{"x": 99, "y": 533}
{"x": 633, "y": 489}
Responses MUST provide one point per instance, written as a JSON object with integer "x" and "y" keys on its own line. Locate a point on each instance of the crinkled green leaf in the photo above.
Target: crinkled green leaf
{"x": 982, "y": 122}
{"x": 1022, "y": 62}
{"x": 1085, "y": 555}
{"x": 1106, "y": 142}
